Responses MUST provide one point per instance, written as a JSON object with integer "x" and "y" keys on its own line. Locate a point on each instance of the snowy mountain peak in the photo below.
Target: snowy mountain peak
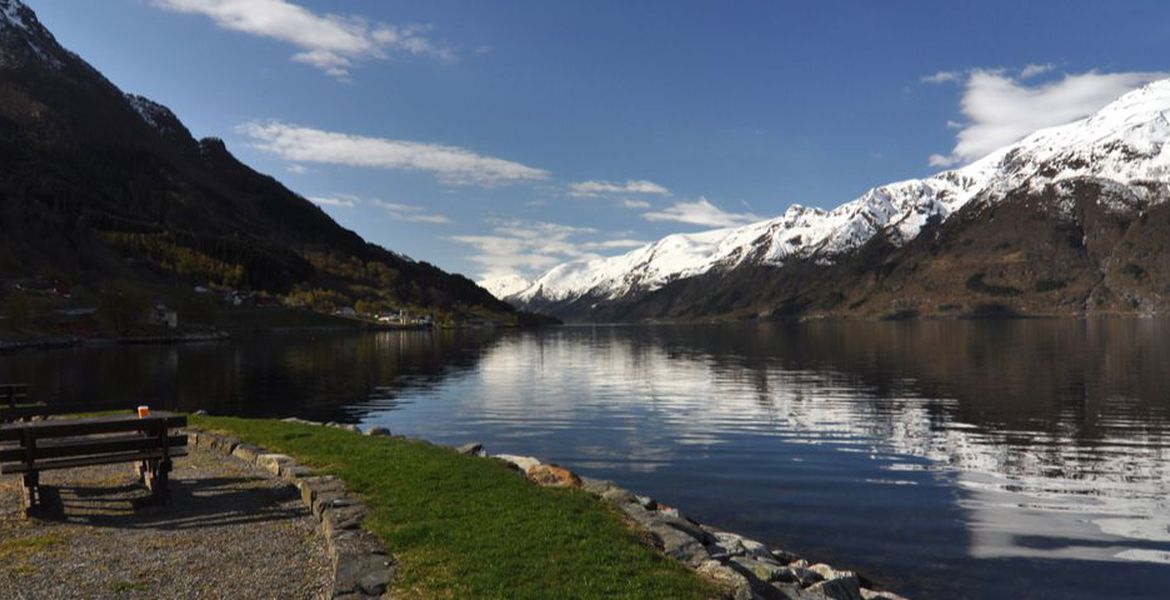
{"x": 21, "y": 34}
{"x": 1126, "y": 141}
{"x": 504, "y": 286}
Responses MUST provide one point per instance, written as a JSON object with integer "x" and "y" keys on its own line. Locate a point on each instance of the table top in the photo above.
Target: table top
{"x": 130, "y": 416}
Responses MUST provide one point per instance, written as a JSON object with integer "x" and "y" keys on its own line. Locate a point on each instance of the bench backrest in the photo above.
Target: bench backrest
{"x": 24, "y": 444}
{"x": 12, "y": 394}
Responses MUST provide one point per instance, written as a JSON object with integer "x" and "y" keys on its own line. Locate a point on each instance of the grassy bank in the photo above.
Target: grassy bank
{"x": 463, "y": 527}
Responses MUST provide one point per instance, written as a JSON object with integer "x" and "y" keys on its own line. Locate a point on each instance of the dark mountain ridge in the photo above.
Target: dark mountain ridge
{"x": 97, "y": 184}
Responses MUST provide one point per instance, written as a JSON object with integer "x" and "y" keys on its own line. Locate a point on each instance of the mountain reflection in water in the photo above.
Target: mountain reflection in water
{"x": 954, "y": 459}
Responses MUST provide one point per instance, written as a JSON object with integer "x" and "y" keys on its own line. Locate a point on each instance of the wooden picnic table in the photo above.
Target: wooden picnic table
{"x": 33, "y": 446}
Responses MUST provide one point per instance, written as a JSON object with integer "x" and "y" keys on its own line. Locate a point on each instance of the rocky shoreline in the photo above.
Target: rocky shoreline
{"x": 743, "y": 568}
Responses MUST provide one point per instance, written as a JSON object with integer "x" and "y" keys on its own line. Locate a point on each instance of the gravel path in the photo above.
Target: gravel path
{"x": 228, "y": 530}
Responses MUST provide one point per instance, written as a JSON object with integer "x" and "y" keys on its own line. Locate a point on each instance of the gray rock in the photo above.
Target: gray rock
{"x": 275, "y": 463}
{"x": 596, "y": 487}
{"x": 339, "y": 518}
{"x": 731, "y": 581}
{"x": 247, "y": 452}
{"x": 471, "y": 449}
{"x": 785, "y": 557}
{"x": 798, "y": 575}
{"x": 368, "y": 574}
{"x": 647, "y": 502}
{"x": 378, "y": 432}
{"x": 725, "y": 545}
{"x": 619, "y": 496}
{"x": 677, "y": 544}
{"x": 876, "y": 595}
{"x": 521, "y": 462}
{"x": 844, "y": 585}
{"x": 758, "y": 550}
{"x": 223, "y": 444}
{"x": 350, "y": 428}
{"x": 312, "y": 487}
{"x": 763, "y": 570}
{"x": 294, "y": 472}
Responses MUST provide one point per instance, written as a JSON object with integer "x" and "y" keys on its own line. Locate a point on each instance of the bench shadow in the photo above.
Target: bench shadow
{"x": 188, "y": 504}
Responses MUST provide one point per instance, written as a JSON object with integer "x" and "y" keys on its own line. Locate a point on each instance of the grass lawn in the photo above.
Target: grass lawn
{"x": 463, "y": 527}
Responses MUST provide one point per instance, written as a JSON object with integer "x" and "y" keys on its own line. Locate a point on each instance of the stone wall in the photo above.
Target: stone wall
{"x": 362, "y": 568}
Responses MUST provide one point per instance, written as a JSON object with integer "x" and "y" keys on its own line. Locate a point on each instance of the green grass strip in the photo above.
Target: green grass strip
{"x": 464, "y": 527}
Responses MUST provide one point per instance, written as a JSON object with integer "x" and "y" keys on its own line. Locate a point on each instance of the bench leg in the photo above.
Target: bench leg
{"x": 158, "y": 476}
{"x": 31, "y": 490}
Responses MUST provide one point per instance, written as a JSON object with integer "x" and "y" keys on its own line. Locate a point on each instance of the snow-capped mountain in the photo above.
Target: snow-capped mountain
{"x": 1124, "y": 142}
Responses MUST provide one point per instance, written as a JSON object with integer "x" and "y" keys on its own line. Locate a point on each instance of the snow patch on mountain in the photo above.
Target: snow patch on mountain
{"x": 1125, "y": 142}
{"x": 154, "y": 114}
{"x": 19, "y": 27}
{"x": 505, "y": 285}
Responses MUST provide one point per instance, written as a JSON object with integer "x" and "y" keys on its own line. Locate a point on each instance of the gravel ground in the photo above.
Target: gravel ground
{"x": 228, "y": 530}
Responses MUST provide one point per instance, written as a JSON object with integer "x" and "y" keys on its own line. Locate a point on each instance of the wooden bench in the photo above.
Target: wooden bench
{"x": 31, "y": 447}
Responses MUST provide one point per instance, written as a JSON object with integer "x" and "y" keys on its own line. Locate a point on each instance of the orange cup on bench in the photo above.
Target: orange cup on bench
{"x": 143, "y": 411}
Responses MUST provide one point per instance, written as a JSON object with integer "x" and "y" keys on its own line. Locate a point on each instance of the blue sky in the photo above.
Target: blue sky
{"x": 505, "y": 137}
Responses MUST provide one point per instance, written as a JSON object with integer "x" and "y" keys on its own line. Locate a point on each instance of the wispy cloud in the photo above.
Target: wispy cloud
{"x": 451, "y": 164}
{"x": 343, "y": 200}
{"x": 635, "y": 204}
{"x": 410, "y": 213}
{"x": 632, "y": 186}
{"x": 1001, "y": 109}
{"x": 1032, "y": 70}
{"x": 942, "y": 77}
{"x": 701, "y": 212}
{"x": 517, "y": 247}
{"x": 330, "y": 42}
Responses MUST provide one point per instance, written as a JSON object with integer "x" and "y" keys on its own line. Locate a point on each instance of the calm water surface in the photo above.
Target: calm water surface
{"x": 954, "y": 460}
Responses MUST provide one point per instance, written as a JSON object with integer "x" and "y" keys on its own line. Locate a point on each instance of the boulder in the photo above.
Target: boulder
{"x": 247, "y": 452}
{"x": 620, "y": 496}
{"x": 520, "y": 462}
{"x": 471, "y": 449}
{"x": 733, "y": 583}
{"x": 378, "y": 432}
{"x": 785, "y": 557}
{"x": 223, "y": 444}
{"x": 554, "y": 476}
{"x": 763, "y": 570}
{"x": 844, "y": 585}
{"x": 275, "y": 463}
{"x": 312, "y": 487}
{"x": 677, "y": 544}
{"x": 868, "y": 594}
{"x": 596, "y": 487}
{"x": 647, "y": 502}
{"x": 798, "y": 575}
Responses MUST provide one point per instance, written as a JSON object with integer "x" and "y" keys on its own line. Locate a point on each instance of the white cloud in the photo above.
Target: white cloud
{"x": 339, "y": 200}
{"x": 521, "y": 248}
{"x": 942, "y": 77}
{"x": 1001, "y": 109}
{"x": 632, "y": 186}
{"x": 701, "y": 212}
{"x": 410, "y": 213}
{"x": 451, "y": 164}
{"x": 330, "y": 42}
{"x": 1031, "y": 70}
{"x": 297, "y": 169}
{"x": 637, "y": 204}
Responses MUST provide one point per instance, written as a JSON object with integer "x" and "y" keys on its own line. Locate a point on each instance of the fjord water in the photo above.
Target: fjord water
{"x": 942, "y": 459}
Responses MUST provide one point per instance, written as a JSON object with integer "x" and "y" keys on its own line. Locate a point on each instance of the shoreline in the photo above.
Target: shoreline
{"x": 744, "y": 568}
